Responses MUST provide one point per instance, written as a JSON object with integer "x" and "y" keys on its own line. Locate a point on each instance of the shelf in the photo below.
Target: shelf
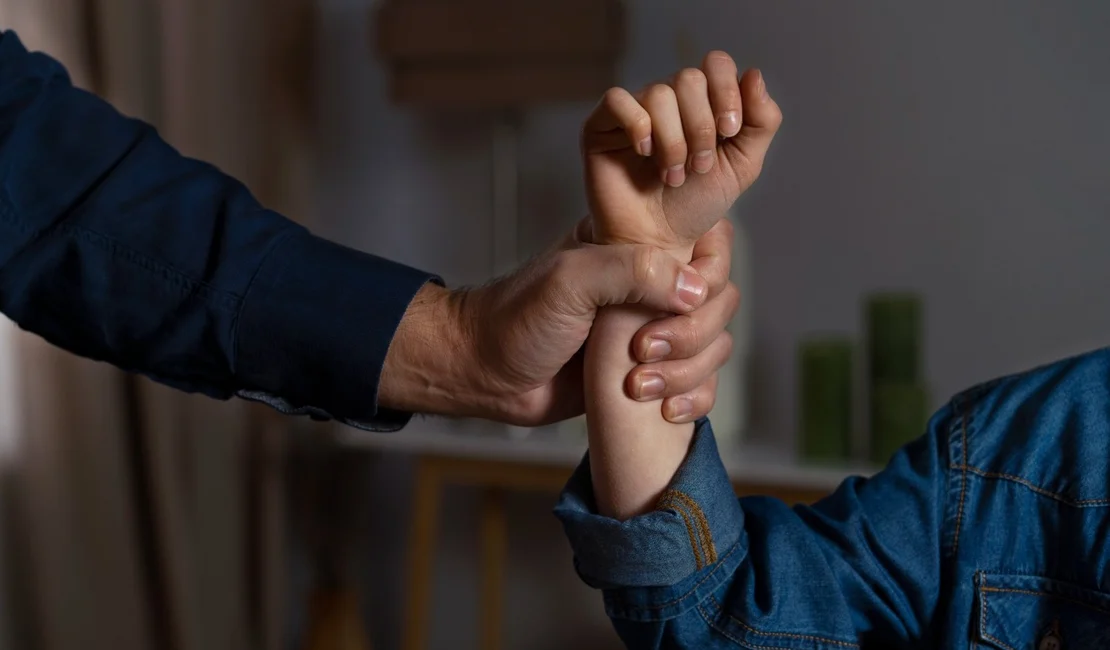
{"x": 560, "y": 447}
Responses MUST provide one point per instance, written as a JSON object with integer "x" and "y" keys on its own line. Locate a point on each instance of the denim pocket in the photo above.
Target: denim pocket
{"x": 1020, "y": 612}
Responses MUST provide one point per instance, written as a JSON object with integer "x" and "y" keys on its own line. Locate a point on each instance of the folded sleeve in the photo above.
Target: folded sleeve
{"x": 117, "y": 248}
{"x": 861, "y": 568}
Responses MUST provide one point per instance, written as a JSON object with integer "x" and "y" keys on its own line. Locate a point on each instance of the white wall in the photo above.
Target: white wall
{"x": 955, "y": 148}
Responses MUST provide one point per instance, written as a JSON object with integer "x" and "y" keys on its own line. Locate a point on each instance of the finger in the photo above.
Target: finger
{"x": 618, "y": 122}
{"x": 724, "y": 92}
{"x": 671, "y": 378}
{"x": 712, "y": 256}
{"x": 697, "y": 119}
{"x": 597, "y": 276}
{"x": 693, "y": 405}
{"x": 686, "y": 335}
{"x": 669, "y": 141}
{"x": 761, "y": 121}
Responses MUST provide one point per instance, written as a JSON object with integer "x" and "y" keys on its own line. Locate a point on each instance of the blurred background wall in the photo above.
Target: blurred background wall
{"x": 953, "y": 148}
{"x": 949, "y": 147}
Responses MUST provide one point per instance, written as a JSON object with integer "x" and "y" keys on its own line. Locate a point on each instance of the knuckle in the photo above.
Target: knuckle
{"x": 705, "y": 133}
{"x": 774, "y": 118}
{"x": 659, "y": 93}
{"x": 719, "y": 57}
{"x": 704, "y": 402}
{"x": 675, "y": 149}
{"x": 642, "y": 262}
{"x": 641, "y": 123}
{"x": 728, "y": 230}
{"x": 613, "y": 97}
{"x": 726, "y": 344}
{"x": 732, "y": 297}
{"x": 689, "y": 333}
{"x": 691, "y": 77}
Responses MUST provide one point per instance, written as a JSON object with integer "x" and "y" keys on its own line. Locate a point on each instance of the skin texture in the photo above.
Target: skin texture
{"x": 662, "y": 168}
{"x": 510, "y": 351}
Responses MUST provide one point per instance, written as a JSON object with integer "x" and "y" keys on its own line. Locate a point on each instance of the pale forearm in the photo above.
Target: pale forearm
{"x": 634, "y": 452}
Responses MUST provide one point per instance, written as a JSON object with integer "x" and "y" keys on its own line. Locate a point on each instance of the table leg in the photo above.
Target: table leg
{"x": 425, "y": 516}
{"x": 494, "y": 551}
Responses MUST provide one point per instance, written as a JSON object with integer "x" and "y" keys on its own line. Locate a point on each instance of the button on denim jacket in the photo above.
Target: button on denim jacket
{"x": 990, "y": 531}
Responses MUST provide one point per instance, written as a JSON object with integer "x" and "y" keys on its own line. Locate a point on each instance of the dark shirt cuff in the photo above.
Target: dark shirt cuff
{"x": 315, "y": 327}
{"x": 698, "y": 521}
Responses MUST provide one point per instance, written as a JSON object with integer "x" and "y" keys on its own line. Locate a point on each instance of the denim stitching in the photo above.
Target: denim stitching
{"x": 986, "y": 609}
{"x": 785, "y": 635}
{"x": 963, "y": 485}
{"x": 802, "y": 637}
{"x": 665, "y": 502}
{"x": 705, "y": 536}
{"x": 1044, "y": 594}
{"x": 1034, "y": 487}
{"x": 679, "y": 599}
{"x": 709, "y": 549}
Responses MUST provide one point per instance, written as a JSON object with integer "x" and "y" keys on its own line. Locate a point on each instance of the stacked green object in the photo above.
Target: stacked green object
{"x": 894, "y": 337}
{"x": 899, "y": 398}
{"x": 825, "y": 383}
{"x": 899, "y": 415}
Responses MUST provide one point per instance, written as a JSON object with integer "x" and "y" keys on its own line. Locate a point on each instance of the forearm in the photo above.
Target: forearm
{"x": 634, "y": 452}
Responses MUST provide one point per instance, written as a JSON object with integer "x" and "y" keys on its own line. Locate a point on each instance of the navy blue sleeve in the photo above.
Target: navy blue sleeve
{"x": 117, "y": 248}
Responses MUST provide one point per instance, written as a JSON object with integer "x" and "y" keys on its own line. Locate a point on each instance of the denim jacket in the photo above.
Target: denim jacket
{"x": 990, "y": 531}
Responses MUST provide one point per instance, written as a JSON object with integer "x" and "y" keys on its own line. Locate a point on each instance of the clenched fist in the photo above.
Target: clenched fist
{"x": 665, "y": 164}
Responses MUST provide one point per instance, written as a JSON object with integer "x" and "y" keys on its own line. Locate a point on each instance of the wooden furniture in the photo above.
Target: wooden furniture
{"x": 481, "y": 455}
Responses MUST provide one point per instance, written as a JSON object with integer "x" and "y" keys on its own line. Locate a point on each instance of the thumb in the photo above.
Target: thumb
{"x": 762, "y": 118}
{"x": 622, "y": 274}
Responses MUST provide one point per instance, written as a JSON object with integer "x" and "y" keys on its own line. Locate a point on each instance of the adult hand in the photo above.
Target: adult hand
{"x": 510, "y": 351}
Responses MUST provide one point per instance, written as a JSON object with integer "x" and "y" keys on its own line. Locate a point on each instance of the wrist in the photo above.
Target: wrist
{"x": 427, "y": 366}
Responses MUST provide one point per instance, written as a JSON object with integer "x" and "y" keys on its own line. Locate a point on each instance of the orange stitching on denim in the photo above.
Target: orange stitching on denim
{"x": 963, "y": 485}
{"x": 1043, "y": 594}
{"x": 703, "y": 524}
{"x": 785, "y": 635}
{"x": 1034, "y": 487}
{"x": 695, "y": 546}
{"x": 709, "y": 575}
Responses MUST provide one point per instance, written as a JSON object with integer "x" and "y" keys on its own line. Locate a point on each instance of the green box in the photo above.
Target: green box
{"x": 894, "y": 337}
{"x": 825, "y": 395}
{"x": 899, "y": 415}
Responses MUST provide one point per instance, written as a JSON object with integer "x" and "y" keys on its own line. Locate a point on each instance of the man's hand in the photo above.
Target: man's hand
{"x": 510, "y": 351}
{"x": 664, "y": 165}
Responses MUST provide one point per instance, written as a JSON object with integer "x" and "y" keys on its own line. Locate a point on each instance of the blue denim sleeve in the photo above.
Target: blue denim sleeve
{"x": 117, "y": 248}
{"x": 707, "y": 570}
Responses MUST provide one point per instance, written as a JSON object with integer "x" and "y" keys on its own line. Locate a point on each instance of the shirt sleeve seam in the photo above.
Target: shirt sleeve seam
{"x": 278, "y": 241}
{"x": 219, "y": 298}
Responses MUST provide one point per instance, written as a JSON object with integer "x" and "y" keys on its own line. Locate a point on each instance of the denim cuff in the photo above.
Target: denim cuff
{"x": 315, "y": 327}
{"x": 697, "y": 523}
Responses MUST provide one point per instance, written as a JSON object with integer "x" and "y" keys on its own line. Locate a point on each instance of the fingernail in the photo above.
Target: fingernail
{"x": 657, "y": 350}
{"x": 645, "y": 146}
{"x": 681, "y": 409}
{"x": 691, "y": 288}
{"x": 650, "y": 386}
{"x": 703, "y": 162}
{"x": 675, "y": 176}
{"x": 762, "y": 87}
{"x": 728, "y": 124}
